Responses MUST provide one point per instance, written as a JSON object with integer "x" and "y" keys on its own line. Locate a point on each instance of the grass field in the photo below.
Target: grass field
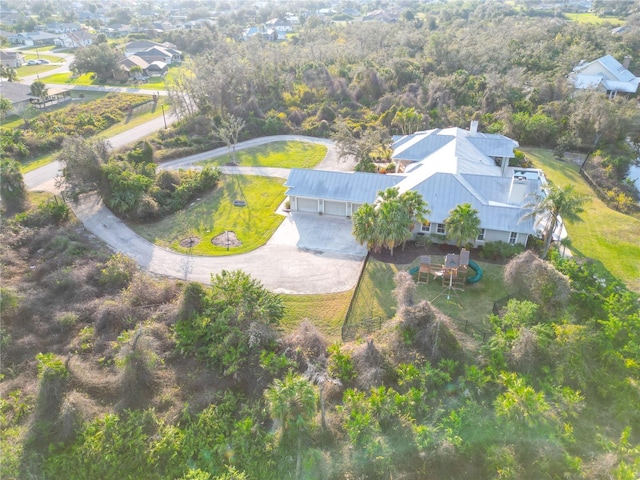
{"x": 215, "y": 213}
{"x": 592, "y": 18}
{"x": 277, "y": 154}
{"x": 468, "y": 308}
{"x": 154, "y": 83}
{"x": 609, "y": 237}
{"x": 326, "y": 312}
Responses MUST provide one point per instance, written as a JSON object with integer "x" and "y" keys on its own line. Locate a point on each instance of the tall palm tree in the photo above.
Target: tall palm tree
{"x": 365, "y": 226}
{"x": 417, "y": 206}
{"x": 12, "y": 187}
{"x": 39, "y": 89}
{"x": 557, "y": 205}
{"x": 463, "y": 224}
{"x": 292, "y": 403}
{"x": 394, "y": 223}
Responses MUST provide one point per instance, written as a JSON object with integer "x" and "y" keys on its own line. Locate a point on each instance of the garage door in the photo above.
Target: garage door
{"x": 355, "y": 207}
{"x": 335, "y": 208}
{"x": 307, "y": 205}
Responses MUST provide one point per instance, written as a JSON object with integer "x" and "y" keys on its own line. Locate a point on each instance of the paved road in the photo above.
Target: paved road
{"x": 308, "y": 254}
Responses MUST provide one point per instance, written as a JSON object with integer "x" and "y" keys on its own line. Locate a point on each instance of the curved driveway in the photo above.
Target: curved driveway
{"x": 308, "y": 253}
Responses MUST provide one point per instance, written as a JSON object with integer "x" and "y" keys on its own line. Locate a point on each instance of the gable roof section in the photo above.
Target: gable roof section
{"x": 471, "y": 147}
{"x": 450, "y": 151}
{"x": 356, "y": 187}
{"x": 443, "y": 192}
{"x": 16, "y": 92}
{"x": 134, "y": 61}
{"x": 605, "y": 71}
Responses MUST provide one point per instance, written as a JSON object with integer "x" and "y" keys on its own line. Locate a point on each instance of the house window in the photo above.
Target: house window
{"x": 426, "y": 227}
{"x": 481, "y": 235}
{"x": 440, "y": 228}
{"x": 513, "y": 237}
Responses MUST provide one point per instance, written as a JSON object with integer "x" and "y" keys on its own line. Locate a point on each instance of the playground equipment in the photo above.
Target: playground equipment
{"x": 453, "y": 270}
{"x": 476, "y": 268}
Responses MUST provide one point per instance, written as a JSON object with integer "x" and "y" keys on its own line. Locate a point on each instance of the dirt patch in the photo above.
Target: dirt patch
{"x": 189, "y": 242}
{"x": 226, "y": 239}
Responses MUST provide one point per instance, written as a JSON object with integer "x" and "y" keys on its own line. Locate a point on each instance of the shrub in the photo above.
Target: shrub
{"x": 48, "y": 212}
{"x": 341, "y": 364}
{"x": 499, "y": 251}
{"x": 534, "y": 279}
{"x": 118, "y": 271}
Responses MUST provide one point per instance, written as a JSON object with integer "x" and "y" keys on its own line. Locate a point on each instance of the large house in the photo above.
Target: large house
{"x": 448, "y": 167}
{"x": 77, "y": 39}
{"x": 606, "y": 75}
{"x": 18, "y": 94}
{"x": 11, "y": 59}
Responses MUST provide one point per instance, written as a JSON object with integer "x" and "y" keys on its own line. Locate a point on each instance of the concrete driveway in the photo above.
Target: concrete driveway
{"x": 308, "y": 254}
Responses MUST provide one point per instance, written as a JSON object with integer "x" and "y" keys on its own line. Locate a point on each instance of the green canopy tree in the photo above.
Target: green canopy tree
{"x": 101, "y": 59}
{"x": 557, "y": 205}
{"x": 463, "y": 224}
{"x": 292, "y": 404}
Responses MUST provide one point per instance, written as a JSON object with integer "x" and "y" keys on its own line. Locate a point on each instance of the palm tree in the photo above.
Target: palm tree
{"x": 12, "y": 187}
{"x": 463, "y": 224}
{"x": 394, "y": 223}
{"x": 365, "y": 226}
{"x": 8, "y": 73}
{"x": 39, "y": 89}
{"x": 549, "y": 210}
{"x": 416, "y": 204}
{"x": 292, "y": 403}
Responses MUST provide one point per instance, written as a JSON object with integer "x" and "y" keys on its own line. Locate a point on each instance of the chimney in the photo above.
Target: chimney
{"x": 474, "y": 127}
{"x": 503, "y": 166}
{"x": 627, "y": 61}
{"x": 518, "y": 190}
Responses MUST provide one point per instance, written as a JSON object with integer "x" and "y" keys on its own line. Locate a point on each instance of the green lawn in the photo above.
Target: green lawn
{"x": 592, "y": 18}
{"x": 276, "y": 154}
{"x": 610, "y": 237}
{"x": 215, "y": 213}
{"x": 326, "y": 312}
{"x": 469, "y": 308}
{"x": 154, "y": 83}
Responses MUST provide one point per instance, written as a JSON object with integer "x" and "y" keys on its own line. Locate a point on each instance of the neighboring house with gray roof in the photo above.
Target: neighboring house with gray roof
{"x": 76, "y": 39}
{"x": 447, "y": 167}
{"x": 11, "y": 59}
{"x": 606, "y": 75}
{"x": 18, "y": 94}
{"x": 31, "y": 39}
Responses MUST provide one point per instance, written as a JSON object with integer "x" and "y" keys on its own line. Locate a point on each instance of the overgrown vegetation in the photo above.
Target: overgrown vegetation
{"x": 45, "y": 132}
{"x": 155, "y": 379}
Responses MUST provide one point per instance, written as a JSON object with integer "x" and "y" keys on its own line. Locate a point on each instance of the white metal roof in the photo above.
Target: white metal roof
{"x": 357, "y": 187}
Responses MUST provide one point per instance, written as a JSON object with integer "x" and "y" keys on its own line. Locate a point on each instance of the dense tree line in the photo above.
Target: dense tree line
{"x": 450, "y": 65}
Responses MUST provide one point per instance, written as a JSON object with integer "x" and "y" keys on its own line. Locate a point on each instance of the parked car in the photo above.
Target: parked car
{"x": 43, "y": 61}
{"x": 32, "y": 62}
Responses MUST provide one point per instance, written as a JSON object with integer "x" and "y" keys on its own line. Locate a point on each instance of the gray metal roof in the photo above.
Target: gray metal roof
{"x": 443, "y": 192}
{"x": 357, "y": 187}
{"x": 471, "y": 147}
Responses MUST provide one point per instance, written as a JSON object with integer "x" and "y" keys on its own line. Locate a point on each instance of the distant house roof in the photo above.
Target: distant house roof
{"x": 134, "y": 61}
{"x": 605, "y": 73}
